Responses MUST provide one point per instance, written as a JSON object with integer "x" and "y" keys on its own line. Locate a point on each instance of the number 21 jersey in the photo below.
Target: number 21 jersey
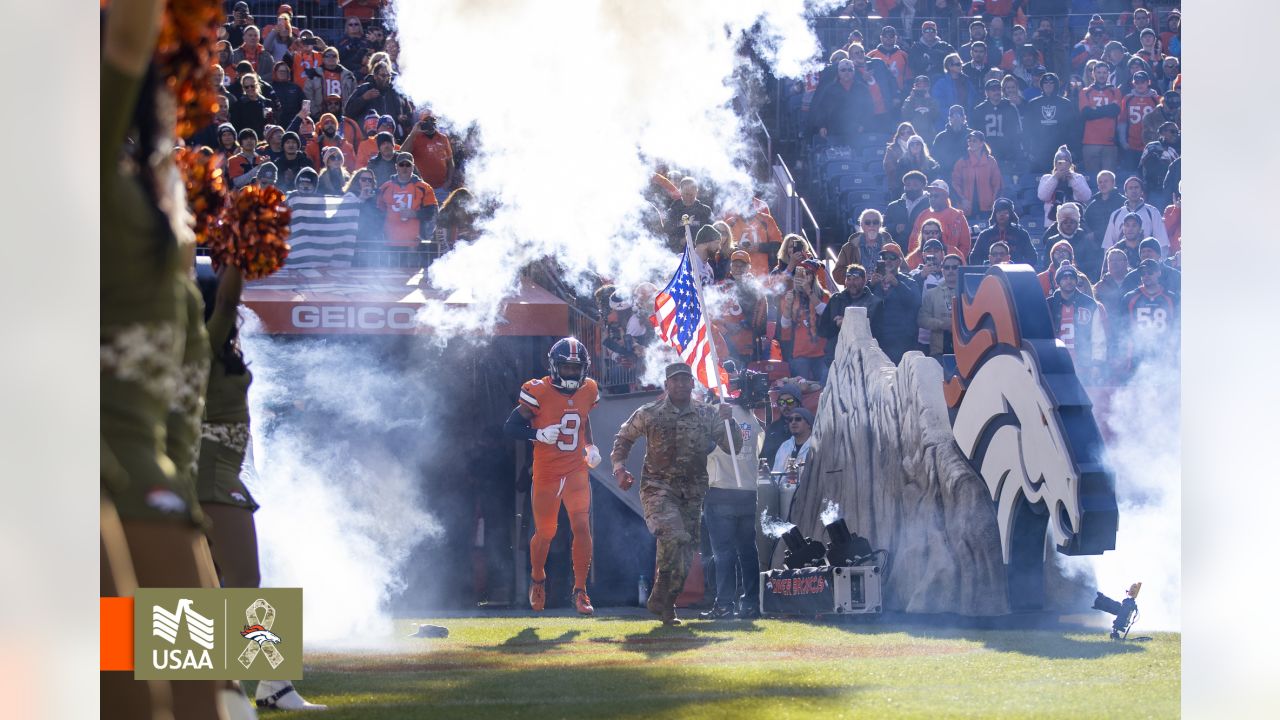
{"x": 549, "y": 407}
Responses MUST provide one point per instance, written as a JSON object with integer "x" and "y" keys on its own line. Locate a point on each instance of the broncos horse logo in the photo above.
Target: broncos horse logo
{"x": 1021, "y": 416}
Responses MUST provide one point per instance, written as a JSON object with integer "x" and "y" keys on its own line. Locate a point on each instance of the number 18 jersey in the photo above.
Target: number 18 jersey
{"x": 549, "y": 407}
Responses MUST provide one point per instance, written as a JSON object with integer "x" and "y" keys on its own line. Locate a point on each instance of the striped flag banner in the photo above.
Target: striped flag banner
{"x": 322, "y": 231}
{"x": 682, "y": 325}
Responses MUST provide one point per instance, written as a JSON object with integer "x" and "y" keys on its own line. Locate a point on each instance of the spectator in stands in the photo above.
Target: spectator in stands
{"x": 929, "y": 272}
{"x": 1141, "y": 21}
{"x": 1171, "y": 38}
{"x": 288, "y": 95}
{"x": 920, "y": 109}
{"x": 1134, "y": 108}
{"x": 955, "y": 228}
{"x": 1085, "y": 246}
{"x": 927, "y": 55}
{"x": 348, "y": 128}
{"x": 363, "y": 188}
{"x": 1050, "y": 123}
{"x": 951, "y": 144}
{"x": 329, "y": 137}
{"x": 373, "y": 124}
{"x": 1003, "y": 125}
{"x": 1156, "y": 159}
{"x": 1135, "y": 192}
{"x": 352, "y": 46}
{"x": 1130, "y": 237}
{"x": 893, "y": 152}
{"x": 1109, "y": 290}
{"x": 789, "y": 397}
{"x": 756, "y": 233}
{"x": 880, "y": 89}
{"x": 977, "y": 34}
{"x": 699, "y": 214}
{"x": 1173, "y": 224}
{"x": 240, "y": 19}
{"x": 1168, "y": 110}
{"x": 379, "y": 94}
{"x": 1063, "y": 185}
{"x": 955, "y": 88}
{"x": 305, "y": 182}
{"x": 1011, "y": 91}
{"x": 1091, "y": 46}
{"x": 242, "y": 166}
{"x": 798, "y": 313}
{"x": 893, "y": 56}
{"x": 1099, "y": 108}
{"x": 977, "y": 67}
{"x": 433, "y": 155}
{"x": 795, "y": 249}
{"x": 227, "y": 145}
{"x": 840, "y": 109}
{"x": 1165, "y": 73}
{"x": 334, "y": 178}
{"x": 1170, "y": 278}
{"x": 272, "y": 144}
{"x": 899, "y": 330}
{"x": 279, "y": 37}
{"x": 1098, "y": 212}
{"x": 408, "y": 203}
{"x": 745, "y": 320}
{"x": 293, "y": 161}
{"x": 864, "y": 243}
{"x": 252, "y": 110}
{"x": 253, "y": 51}
{"x": 330, "y": 79}
{"x": 1060, "y": 254}
{"x": 930, "y": 233}
{"x": 209, "y": 134}
{"x": 900, "y": 216}
{"x": 1079, "y": 323}
{"x": 935, "y": 308}
{"x": 998, "y": 253}
{"x": 267, "y": 175}
{"x": 1006, "y": 229}
{"x": 1149, "y": 323}
{"x": 918, "y": 160}
{"x": 1150, "y": 46}
{"x": 855, "y": 294}
{"x": 1027, "y": 58}
{"x": 375, "y": 38}
{"x": 976, "y": 176}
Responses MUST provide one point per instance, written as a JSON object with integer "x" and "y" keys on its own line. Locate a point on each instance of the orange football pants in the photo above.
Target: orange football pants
{"x": 574, "y": 490}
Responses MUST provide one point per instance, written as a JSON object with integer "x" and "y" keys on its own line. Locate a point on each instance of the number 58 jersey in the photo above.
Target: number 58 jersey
{"x": 549, "y": 407}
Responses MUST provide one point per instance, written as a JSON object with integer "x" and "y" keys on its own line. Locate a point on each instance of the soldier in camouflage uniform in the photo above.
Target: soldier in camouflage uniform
{"x": 680, "y": 433}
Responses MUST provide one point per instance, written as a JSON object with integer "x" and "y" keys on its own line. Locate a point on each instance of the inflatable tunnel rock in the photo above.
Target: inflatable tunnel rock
{"x": 884, "y": 451}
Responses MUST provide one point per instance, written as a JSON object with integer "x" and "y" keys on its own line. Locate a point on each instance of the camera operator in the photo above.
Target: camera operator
{"x": 729, "y": 511}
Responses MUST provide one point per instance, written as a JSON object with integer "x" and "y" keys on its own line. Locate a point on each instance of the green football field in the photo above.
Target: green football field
{"x": 621, "y": 664}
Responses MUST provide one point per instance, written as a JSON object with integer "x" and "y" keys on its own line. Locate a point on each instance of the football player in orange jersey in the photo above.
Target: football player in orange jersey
{"x": 553, "y": 411}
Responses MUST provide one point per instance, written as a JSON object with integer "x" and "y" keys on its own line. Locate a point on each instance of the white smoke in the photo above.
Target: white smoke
{"x": 1144, "y": 421}
{"x": 573, "y": 102}
{"x": 340, "y": 506}
{"x": 773, "y": 527}
{"x": 830, "y": 512}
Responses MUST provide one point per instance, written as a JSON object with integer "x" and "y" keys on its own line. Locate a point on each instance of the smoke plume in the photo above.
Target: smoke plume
{"x": 830, "y": 512}
{"x": 572, "y": 104}
{"x": 335, "y": 461}
{"x": 773, "y": 527}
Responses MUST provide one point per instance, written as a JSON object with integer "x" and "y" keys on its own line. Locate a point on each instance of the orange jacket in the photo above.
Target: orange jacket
{"x": 976, "y": 181}
{"x": 955, "y": 234}
{"x": 1173, "y": 226}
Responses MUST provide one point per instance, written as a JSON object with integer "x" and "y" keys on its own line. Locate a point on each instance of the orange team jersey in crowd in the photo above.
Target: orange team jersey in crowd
{"x": 1103, "y": 130}
{"x": 368, "y": 148}
{"x": 331, "y": 83}
{"x": 550, "y": 407}
{"x": 396, "y": 200}
{"x": 897, "y": 62}
{"x": 304, "y": 61}
{"x": 1173, "y": 226}
{"x": 431, "y": 156}
{"x": 238, "y": 164}
{"x": 1134, "y": 109}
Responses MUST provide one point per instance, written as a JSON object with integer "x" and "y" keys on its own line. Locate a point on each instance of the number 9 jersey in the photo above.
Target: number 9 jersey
{"x": 550, "y": 407}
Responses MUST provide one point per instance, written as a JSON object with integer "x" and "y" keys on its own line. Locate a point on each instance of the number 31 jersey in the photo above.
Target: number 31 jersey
{"x": 549, "y": 407}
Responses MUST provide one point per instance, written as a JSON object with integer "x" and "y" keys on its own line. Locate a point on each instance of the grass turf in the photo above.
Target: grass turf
{"x": 630, "y": 667}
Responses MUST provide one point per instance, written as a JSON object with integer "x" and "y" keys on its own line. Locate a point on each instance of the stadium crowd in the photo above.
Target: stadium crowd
{"x": 938, "y": 134}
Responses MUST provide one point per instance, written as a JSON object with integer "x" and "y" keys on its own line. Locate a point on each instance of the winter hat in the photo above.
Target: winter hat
{"x": 804, "y": 413}
{"x": 306, "y": 173}
{"x": 1065, "y": 269}
{"x": 291, "y": 135}
{"x": 1002, "y": 204}
{"x": 790, "y": 389}
{"x": 387, "y": 120}
{"x": 1063, "y": 153}
{"x": 706, "y": 234}
{"x": 933, "y": 244}
{"x": 1150, "y": 243}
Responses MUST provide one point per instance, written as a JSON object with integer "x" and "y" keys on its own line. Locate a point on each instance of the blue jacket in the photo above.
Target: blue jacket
{"x": 899, "y": 327}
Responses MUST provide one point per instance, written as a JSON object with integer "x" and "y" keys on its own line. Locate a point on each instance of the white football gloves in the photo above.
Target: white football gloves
{"x": 593, "y": 456}
{"x": 549, "y": 434}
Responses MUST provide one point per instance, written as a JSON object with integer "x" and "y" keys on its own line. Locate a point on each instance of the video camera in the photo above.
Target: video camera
{"x": 752, "y": 386}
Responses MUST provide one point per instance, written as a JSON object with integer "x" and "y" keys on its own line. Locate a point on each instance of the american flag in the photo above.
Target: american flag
{"x": 681, "y": 324}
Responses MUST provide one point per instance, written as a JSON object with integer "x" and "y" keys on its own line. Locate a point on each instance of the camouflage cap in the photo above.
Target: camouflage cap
{"x": 676, "y": 368}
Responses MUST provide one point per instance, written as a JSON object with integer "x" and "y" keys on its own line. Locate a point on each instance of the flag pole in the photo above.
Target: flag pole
{"x": 686, "y": 220}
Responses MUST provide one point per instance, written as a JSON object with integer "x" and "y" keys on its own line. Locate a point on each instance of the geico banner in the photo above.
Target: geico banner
{"x": 338, "y": 318}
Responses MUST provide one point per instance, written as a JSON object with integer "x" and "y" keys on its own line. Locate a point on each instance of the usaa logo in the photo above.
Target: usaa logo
{"x": 198, "y": 637}
{"x": 1022, "y": 418}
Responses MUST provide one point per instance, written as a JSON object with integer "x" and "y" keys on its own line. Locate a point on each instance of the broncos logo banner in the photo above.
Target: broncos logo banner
{"x": 1024, "y": 421}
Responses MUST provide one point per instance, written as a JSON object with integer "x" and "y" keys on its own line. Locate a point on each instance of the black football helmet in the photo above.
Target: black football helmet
{"x": 568, "y": 351}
